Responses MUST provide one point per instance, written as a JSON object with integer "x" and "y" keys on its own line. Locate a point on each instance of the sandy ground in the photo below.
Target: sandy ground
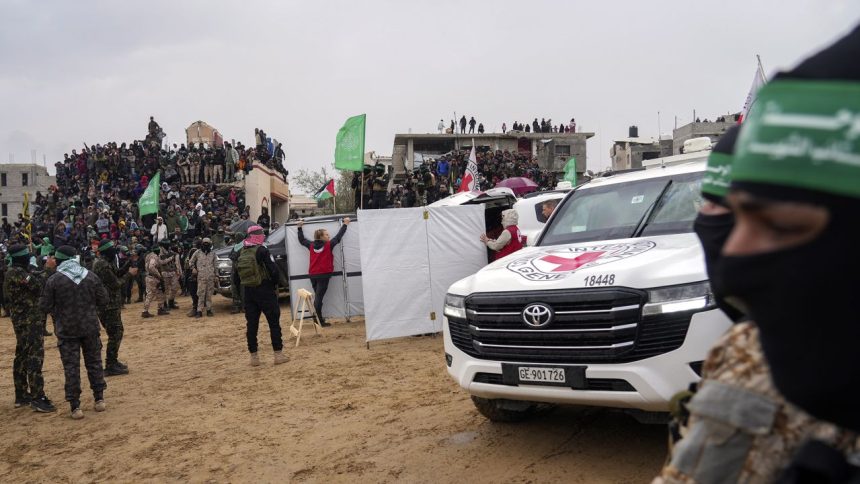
{"x": 192, "y": 409}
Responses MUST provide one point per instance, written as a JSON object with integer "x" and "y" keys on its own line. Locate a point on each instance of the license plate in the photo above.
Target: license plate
{"x": 565, "y": 376}
{"x": 537, "y": 374}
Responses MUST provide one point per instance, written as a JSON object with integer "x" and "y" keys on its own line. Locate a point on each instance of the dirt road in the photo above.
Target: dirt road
{"x": 192, "y": 409}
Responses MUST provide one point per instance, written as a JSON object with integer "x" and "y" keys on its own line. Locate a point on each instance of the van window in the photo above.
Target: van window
{"x": 539, "y": 209}
{"x": 276, "y": 237}
{"x": 615, "y": 211}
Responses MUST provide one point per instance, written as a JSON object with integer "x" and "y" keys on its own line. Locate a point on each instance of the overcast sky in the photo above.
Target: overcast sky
{"x": 95, "y": 70}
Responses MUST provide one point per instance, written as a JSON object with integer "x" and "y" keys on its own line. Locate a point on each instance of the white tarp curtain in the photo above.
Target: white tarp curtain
{"x": 408, "y": 263}
{"x": 343, "y": 298}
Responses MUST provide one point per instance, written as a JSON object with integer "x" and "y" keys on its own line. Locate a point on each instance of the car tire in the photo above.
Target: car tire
{"x": 507, "y": 411}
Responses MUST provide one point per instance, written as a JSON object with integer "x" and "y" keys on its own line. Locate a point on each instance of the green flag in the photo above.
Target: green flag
{"x": 349, "y": 150}
{"x": 570, "y": 171}
{"x": 148, "y": 202}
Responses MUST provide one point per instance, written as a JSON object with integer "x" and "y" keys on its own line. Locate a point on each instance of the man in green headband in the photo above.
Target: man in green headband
{"x": 106, "y": 266}
{"x": 791, "y": 259}
{"x": 21, "y": 289}
{"x": 736, "y": 378}
{"x": 74, "y": 295}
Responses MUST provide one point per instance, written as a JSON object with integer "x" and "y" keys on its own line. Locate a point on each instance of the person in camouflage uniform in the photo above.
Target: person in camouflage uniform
{"x": 73, "y": 295}
{"x": 202, "y": 265}
{"x": 741, "y": 429}
{"x": 106, "y": 266}
{"x": 21, "y": 288}
{"x": 742, "y": 425}
{"x": 170, "y": 270}
{"x": 154, "y": 284}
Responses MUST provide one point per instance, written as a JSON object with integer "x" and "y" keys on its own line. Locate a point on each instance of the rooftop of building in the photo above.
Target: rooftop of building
{"x": 508, "y": 135}
{"x": 641, "y": 141}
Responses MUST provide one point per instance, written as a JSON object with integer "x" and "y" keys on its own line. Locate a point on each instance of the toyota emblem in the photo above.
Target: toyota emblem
{"x": 537, "y": 315}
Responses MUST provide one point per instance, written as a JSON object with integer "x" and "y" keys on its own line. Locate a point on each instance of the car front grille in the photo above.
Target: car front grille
{"x": 590, "y": 325}
{"x": 593, "y": 384}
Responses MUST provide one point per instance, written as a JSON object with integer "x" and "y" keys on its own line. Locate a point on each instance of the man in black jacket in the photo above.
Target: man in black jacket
{"x": 258, "y": 275}
{"x": 73, "y": 295}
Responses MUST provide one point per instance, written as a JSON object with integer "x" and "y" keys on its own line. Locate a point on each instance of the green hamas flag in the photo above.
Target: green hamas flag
{"x": 349, "y": 150}
{"x": 570, "y": 171}
{"x": 148, "y": 202}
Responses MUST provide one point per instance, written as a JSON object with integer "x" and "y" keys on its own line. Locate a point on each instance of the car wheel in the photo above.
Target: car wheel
{"x": 509, "y": 411}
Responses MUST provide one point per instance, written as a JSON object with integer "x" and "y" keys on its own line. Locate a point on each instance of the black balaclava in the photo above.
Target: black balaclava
{"x": 19, "y": 255}
{"x": 803, "y": 298}
{"x": 714, "y": 230}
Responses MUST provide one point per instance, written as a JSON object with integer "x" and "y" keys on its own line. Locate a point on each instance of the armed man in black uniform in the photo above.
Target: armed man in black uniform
{"x": 73, "y": 295}
{"x": 258, "y": 275}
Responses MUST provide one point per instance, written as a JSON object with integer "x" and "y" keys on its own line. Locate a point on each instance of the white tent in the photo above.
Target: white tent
{"x": 410, "y": 258}
{"x": 344, "y": 297}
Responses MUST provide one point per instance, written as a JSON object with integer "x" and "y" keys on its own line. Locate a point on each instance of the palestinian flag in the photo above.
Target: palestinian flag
{"x": 326, "y": 192}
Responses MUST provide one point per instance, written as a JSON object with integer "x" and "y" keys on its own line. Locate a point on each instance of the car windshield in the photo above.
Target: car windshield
{"x": 276, "y": 237}
{"x": 617, "y": 211}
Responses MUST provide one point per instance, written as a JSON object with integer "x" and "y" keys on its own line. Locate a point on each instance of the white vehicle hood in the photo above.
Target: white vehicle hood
{"x": 640, "y": 263}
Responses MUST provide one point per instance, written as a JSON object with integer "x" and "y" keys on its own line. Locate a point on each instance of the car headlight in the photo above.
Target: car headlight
{"x": 688, "y": 297}
{"x": 455, "y": 306}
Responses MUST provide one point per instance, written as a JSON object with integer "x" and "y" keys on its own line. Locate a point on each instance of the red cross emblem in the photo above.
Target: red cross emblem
{"x": 565, "y": 264}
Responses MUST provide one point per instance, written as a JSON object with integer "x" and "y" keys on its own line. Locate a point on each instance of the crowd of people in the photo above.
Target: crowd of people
{"x": 90, "y": 222}
{"x": 544, "y": 126}
{"x": 439, "y": 178}
{"x": 97, "y": 191}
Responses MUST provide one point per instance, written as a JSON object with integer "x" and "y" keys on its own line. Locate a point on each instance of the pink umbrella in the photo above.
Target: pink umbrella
{"x": 520, "y": 185}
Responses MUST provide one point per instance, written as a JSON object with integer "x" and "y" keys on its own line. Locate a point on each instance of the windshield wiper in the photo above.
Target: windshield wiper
{"x": 646, "y": 217}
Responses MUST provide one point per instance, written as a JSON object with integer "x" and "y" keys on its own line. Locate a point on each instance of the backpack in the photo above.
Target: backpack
{"x": 250, "y": 273}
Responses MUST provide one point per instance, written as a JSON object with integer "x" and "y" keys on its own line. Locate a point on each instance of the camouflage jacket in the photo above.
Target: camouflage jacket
{"x": 113, "y": 283}
{"x": 21, "y": 290}
{"x": 169, "y": 262}
{"x": 741, "y": 429}
{"x": 204, "y": 264}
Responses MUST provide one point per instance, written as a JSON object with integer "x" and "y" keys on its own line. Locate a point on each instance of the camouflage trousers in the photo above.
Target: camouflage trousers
{"x": 29, "y": 357}
{"x": 205, "y": 287}
{"x": 112, "y": 322}
{"x": 70, "y": 354}
{"x": 740, "y": 428}
{"x": 153, "y": 292}
{"x": 171, "y": 285}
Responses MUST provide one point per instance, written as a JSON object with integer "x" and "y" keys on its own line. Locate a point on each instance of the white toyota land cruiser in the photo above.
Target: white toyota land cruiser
{"x": 612, "y": 307}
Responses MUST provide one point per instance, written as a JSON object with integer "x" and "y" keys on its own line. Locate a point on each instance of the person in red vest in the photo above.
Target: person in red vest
{"x": 509, "y": 240}
{"x": 322, "y": 262}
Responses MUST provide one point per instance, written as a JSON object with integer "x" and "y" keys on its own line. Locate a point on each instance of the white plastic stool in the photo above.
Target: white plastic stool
{"x": 306, "y": 306}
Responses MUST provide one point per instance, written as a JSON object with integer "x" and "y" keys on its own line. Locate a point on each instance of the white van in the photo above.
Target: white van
{"x": 530, "y": 212}
{"x": 612, "y": 307}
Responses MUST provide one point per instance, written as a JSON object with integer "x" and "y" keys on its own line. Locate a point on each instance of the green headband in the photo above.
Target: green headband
{"x": 105, "y": 247}
{"x": 718, "y": 174}
{"x": 803, "y": 134}
{"x": 61, "y": 256}
{"x": 20, "y": 253}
